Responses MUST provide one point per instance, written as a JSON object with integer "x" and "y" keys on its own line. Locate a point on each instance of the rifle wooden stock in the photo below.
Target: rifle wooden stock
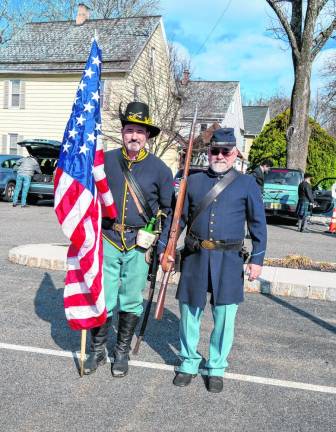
{"x": 170, "y": 252}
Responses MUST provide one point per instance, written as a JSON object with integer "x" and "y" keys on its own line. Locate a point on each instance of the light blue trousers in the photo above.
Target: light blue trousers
{"x": 125, "y": 278}
{"x": 22, "y": 181}
{"x": 221, "y": 338}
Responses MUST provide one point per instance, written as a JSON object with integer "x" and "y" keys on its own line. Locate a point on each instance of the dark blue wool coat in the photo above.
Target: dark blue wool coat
{"x": 156, "y": 181}
{"x": 221, "y": 272}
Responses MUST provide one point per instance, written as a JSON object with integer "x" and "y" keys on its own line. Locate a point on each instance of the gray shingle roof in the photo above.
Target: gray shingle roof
{"x": 63, "y": 46}
{"x": 254, "y": 119}
{"x": 213, "y": 97}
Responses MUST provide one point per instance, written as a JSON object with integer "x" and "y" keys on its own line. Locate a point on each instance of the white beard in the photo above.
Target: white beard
{"x": 219, "y": 167}
{"x": 133, "y": 147}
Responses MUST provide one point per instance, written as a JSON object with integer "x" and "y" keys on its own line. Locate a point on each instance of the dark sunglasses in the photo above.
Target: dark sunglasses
{"x": 225, "y": 151}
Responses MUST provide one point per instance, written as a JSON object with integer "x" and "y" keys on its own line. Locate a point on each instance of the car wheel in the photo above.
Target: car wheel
{"x": 9, "y": 192}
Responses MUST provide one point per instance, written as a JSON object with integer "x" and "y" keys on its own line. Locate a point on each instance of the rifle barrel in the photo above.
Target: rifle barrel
{"x": 166, "y": 264}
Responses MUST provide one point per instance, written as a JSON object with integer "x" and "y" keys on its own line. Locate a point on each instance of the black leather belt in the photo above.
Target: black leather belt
{"x": 125, "y": 228}
{"x": 220, "y": 245}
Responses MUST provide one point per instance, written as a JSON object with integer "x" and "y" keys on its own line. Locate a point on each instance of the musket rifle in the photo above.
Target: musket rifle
{"x": 152, "y": 278}
{"x": 170, "y": 252}
{"x": 154, "y": 266}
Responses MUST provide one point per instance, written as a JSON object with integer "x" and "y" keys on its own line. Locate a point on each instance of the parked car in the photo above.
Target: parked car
{"x": 281, "y": 193}
{"x": 324, "y": 196}
{"x": 46, "y": 152}
{"x": 7, "y": 175}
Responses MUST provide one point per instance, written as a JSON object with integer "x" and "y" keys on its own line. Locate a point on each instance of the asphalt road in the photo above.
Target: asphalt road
{"x": 284, "y": 239}
{"x": 285, "y": 341}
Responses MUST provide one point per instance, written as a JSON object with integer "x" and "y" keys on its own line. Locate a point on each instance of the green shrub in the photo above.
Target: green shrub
{"x": 271, "y": 144}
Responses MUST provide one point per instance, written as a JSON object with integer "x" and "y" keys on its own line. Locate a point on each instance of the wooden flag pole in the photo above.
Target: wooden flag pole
{"x": 82, "y": 352}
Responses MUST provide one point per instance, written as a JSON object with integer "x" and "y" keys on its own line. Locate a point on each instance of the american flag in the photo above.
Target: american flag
{"x": 82, "y": 195}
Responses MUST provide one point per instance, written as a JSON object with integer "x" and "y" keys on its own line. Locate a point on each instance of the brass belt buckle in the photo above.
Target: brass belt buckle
{"x": 118, "y": 227}
{"x": 208, "y": 244}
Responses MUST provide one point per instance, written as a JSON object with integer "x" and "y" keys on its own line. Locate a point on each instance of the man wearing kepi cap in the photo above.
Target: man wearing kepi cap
{"x": 141, "y": 184}
{"x": 217, "y": 205}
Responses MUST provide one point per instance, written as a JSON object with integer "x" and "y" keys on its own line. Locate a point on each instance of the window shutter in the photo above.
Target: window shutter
{"x": 107, "y": 95}
{"x": 4, "y": 144}
{"x": 23, "y": 95}
{"x": 6, "y": 94}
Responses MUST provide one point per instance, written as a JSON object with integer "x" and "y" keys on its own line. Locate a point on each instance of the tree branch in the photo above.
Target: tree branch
{"x": 296, "y": 21}
{"x": 283, "y": 19}
{"x": 322, "y": 38}
{"x": 320, "y": 5}
{"x": 309, "y": 25}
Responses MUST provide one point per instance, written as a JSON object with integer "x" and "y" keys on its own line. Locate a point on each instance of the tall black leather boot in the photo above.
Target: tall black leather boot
{"x": 126, "y": 329}
{"x": 97, "y": 356}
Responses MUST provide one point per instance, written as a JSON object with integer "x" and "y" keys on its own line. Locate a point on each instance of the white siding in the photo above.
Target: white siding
{"x": 234, "y": 118}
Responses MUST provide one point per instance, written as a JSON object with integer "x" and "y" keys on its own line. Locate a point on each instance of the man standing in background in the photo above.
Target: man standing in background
{"x": 259, "y": 173}
{"x": 26, "y": 167}
{"x": 306, "y": 201}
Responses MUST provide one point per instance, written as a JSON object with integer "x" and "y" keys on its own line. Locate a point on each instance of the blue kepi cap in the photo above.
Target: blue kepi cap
{"x": 223, "y": 137}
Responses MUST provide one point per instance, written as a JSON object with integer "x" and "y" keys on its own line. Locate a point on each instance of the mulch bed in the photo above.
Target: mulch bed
{"x": 300, "y": 262}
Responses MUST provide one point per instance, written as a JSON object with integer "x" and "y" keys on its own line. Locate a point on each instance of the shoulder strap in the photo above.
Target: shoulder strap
{"x": 213, "y": 193}
{"x": 148, "y": 213}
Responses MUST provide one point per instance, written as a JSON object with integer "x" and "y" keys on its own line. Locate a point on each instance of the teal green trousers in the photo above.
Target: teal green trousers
{"x": 125, "y": 278}
{"x": 221, "y": 338}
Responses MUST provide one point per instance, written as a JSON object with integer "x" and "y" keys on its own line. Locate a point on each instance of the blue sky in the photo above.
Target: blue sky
{"x": 239, "y": 49}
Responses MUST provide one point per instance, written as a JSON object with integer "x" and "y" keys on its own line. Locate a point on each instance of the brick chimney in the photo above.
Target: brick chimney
{"x": 83, "y": 14}
{"x": 186, "y": 76}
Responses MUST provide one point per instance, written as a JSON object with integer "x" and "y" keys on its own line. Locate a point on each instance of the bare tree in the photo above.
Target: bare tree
{"x": 277, "y": 103}
{"x": 14, "y": 14}
{"x": 12, "y": 17}
{"x": 307, "y": 26}
{"x": 158, "y": 86}
{"x": 328, "y": 96}
{"x": 60, "y": 10}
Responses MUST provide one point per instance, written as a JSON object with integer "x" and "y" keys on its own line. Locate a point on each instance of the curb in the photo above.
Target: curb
{"x": 36, "y": 255}
{"x": 278, "y": 288}
{"x": 53, "y": 257}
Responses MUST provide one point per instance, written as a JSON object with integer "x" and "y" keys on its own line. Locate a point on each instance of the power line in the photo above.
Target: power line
{"x": 214, "y": 27}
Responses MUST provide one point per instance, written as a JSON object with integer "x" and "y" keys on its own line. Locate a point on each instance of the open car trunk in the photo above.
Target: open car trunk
{"x": 46, "y": 153}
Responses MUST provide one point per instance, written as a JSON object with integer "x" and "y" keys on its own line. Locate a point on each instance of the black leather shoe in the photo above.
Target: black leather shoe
{"x": 94, "y": 360}
{"x": 126, "y": 327}
{"x": 215, "y": 384}
{"x": 119, "y": 367}
{"x": 97, "y": 356}
{"x": 183, "y": 379}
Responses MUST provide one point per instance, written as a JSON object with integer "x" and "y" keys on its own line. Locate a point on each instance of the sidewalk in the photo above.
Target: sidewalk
{"x": 274, "y": 280}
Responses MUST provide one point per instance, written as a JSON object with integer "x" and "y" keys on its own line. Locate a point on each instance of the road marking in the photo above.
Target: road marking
{"x": 167, "y": 367}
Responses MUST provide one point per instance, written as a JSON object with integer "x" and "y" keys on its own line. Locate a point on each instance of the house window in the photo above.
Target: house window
{"x": 13, "y": 139}
{"x": 14, "y": 101}
{"x": 204, "y": 127}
